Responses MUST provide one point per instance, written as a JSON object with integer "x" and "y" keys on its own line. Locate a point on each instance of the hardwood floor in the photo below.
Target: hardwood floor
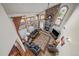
{"x": 14, "y": 52}
{"x": 42, "y": 40}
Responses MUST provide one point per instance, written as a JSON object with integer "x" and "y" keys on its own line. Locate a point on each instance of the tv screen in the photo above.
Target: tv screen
{"x": 56, "y": 34}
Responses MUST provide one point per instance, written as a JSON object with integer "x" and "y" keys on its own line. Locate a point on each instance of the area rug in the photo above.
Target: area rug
{"x": 42, "y": 40}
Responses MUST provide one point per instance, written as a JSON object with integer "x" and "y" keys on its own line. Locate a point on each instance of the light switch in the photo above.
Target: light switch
{"x": 68, "y": 39}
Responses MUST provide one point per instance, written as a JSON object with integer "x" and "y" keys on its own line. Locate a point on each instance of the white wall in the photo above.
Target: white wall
{"x": 71, "y": 8}
{"x": 7, "y": 33}
{"x": 72, "y": 31}
{"x": 25, "y": 9}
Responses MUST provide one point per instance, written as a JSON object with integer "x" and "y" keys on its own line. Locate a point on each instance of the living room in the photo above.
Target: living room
{"x": 41, "y": 29}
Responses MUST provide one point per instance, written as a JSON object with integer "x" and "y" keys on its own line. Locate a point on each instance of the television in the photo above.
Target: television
{"x": 55, "y": 34}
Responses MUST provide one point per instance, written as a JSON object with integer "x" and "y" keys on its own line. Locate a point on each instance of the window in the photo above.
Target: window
{"x": 22, "y": 24}
{"x": 60, "y": 15}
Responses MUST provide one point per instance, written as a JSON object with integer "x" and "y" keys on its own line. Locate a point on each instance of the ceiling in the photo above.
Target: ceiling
{"x": 28, "y": 9}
